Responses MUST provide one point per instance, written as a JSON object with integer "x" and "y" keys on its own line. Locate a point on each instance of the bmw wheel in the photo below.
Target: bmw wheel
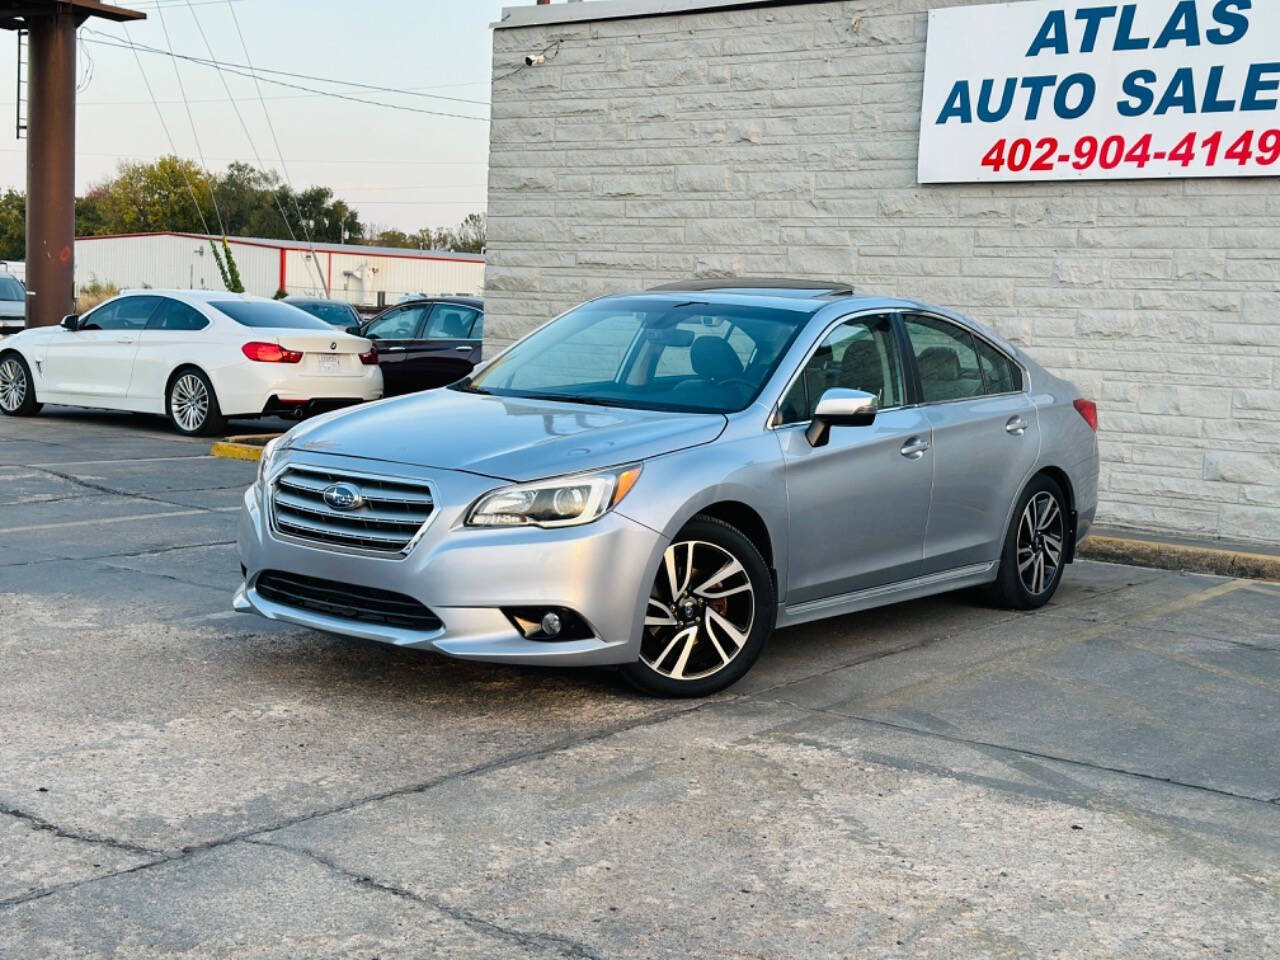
{"x": 1035, "y": 549}
{"x": 711, "y": 608}
{"x": 192, "y": 404}
{"x": 17, "y": 393}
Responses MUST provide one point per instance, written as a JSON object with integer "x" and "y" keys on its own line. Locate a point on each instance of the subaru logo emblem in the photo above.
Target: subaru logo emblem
{"x": 334, "y": 345}
{"x": 343, "y": 496}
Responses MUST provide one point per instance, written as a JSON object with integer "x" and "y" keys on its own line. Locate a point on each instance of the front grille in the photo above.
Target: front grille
{"x": 388, "y": 520}
{"x": 334, "y": 599}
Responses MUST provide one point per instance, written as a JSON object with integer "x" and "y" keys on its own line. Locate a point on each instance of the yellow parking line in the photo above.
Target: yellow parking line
{"x": 245, "y": 447}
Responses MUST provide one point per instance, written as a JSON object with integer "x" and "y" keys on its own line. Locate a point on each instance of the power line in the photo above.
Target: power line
{"x": 275, "y": 194}
{"x": 243, "y": 70}
{"x": 406, "y": 91}
{"x": 306, "y": 231}
{"x": 194, "y": 132}
{"x": 169, "y": 136}
{"x": 304, "y": 162}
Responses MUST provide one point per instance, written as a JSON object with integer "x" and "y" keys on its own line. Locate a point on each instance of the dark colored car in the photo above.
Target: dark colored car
{"x": 426, "y": 343}
{"x": 338, "y": 313}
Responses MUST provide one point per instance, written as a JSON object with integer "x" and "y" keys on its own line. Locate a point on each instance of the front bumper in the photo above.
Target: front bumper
{"x": 465, "y": 576}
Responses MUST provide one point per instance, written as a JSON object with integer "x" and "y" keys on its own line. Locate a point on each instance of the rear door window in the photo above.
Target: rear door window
{"x": 946, "y": 359}
{"x": 1002, "y": 374}
{"x": 176, "y": 316}
{"x": 449, "y": 321}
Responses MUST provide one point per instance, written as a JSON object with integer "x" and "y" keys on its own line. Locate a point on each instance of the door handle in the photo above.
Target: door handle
{"x": 463, "y": 349}
{"x": 392, "y": 350}
{"x": 1016, "y": 426}
{"x": 915, "y": 448}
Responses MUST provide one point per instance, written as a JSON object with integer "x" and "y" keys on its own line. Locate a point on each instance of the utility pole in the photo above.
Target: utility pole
{"x": 51, "y": 145}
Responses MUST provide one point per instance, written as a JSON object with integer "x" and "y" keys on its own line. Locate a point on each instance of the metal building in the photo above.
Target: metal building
{"x": 360, "y": 275}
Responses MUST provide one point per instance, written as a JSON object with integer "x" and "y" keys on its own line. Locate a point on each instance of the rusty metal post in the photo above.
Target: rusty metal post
{"x": 51, "y": 170}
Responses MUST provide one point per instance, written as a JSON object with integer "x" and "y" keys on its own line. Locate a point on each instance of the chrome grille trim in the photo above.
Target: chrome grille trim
{"x": 395, "y": 513}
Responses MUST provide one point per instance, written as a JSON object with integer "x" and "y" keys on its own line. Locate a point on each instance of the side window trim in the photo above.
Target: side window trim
{"x": 917, "y": 389}
{"x": 894, "y": 316}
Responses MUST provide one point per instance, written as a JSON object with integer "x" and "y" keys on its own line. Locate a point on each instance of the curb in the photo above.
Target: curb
{"x": 242, "y": 448}
{"x": 1173, "y": 556}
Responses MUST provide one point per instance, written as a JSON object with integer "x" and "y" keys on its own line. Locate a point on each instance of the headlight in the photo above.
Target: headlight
{"x": 268, "y": 455}
{"x": 562, "y": 502}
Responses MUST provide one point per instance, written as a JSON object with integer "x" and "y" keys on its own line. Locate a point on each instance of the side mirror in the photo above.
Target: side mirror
{"x": 840, "y": 408}
{"x": 354, "y": 330}
{"x": 71, "y": 322}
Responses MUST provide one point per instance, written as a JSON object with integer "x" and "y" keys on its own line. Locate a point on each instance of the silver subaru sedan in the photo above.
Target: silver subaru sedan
{"x": 658, "y": 481}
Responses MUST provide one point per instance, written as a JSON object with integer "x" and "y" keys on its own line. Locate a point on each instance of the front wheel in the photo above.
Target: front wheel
{"x": 17, "y": 392}
{"x": 193, "y": 406}
{"x": 1035, "y": 548}
{"x": 711, "y": 609}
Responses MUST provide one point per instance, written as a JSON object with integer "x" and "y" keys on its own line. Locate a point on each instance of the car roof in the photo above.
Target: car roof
{"x": 810, "y": 296}
{"x": 475, "y": 302}
{"x": 201, "y": 296}
{"x": 764, "y": 285}
{"x": 343, "y": 303}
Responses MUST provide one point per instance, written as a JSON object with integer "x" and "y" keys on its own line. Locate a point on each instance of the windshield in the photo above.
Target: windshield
{"x": 334, "y": 314}
{"x": 648, "y": 352}
{"x": 268, "y": 313}
{"x": 11, "y": 289}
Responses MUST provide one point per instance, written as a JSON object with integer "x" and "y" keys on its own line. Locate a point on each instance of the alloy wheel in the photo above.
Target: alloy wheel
{"x": 13, "y": 385}
{"x": 700, "y": 613}
{"x": 1040, "y": 537}
{"x": 190, "y": 402}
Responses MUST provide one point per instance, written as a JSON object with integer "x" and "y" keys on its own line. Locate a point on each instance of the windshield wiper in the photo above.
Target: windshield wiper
{"x": 570, "y": 398}
{"x": 465, "y": 386}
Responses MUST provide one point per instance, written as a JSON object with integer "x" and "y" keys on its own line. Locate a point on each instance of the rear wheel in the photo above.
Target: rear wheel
{"x": 17, "y": 391}
{"x": 1035, "y": 548}
{"x": 192, "y": 404}
{"x": 711, "y": 609}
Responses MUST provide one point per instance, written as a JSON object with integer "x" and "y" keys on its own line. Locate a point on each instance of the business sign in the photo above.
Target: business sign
{"x": 1079, "y": 90}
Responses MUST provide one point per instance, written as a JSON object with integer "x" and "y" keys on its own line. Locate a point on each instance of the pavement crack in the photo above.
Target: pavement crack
{"x": 254, "y": 834}
{"x": 986, "y": 744}
{"x": 115, "y": 492}
{"x": 564, "y": 946}
{"x": 40, "y": 823}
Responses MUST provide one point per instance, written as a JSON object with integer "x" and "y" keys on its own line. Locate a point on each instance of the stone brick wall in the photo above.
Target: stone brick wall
{"x": 782, "y": 141}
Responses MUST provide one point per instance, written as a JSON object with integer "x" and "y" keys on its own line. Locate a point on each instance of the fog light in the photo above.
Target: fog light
{"x": 548, "y": 623}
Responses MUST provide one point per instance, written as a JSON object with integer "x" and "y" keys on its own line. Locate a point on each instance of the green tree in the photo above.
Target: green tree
{"x": 13, "y": 225}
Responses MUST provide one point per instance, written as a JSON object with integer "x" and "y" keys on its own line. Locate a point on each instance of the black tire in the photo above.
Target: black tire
{"x": 192, "y": 405}
{"x": 668, "y": 650}
{"x": 17, "y": 389}
{"x": 1035, "y": 548}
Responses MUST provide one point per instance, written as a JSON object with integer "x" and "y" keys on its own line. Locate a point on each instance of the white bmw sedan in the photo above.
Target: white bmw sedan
{"x": 196, "y": 356}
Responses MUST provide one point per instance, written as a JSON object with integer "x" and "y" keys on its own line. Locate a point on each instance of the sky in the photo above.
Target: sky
{"x": 400, "y": 169}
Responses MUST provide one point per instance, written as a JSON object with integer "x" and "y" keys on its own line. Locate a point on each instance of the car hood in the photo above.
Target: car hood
{"x": 507, "y": 438}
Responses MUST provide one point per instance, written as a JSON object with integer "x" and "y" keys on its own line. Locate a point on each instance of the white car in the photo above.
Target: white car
{"x": 13, "y": 302}
{"x": 198, "y": 357}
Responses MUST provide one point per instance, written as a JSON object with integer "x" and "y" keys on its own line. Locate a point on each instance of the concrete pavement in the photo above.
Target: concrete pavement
{"x": 935, "y": 779}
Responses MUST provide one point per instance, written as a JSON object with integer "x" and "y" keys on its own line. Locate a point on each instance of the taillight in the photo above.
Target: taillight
{"x": 370, "y": 359}
{"x": 270, "y": 353}
{"x": 1089, "y": 410}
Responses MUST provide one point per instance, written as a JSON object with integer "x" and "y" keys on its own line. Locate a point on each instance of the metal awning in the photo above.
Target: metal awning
{"x": 17, "y": 14}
